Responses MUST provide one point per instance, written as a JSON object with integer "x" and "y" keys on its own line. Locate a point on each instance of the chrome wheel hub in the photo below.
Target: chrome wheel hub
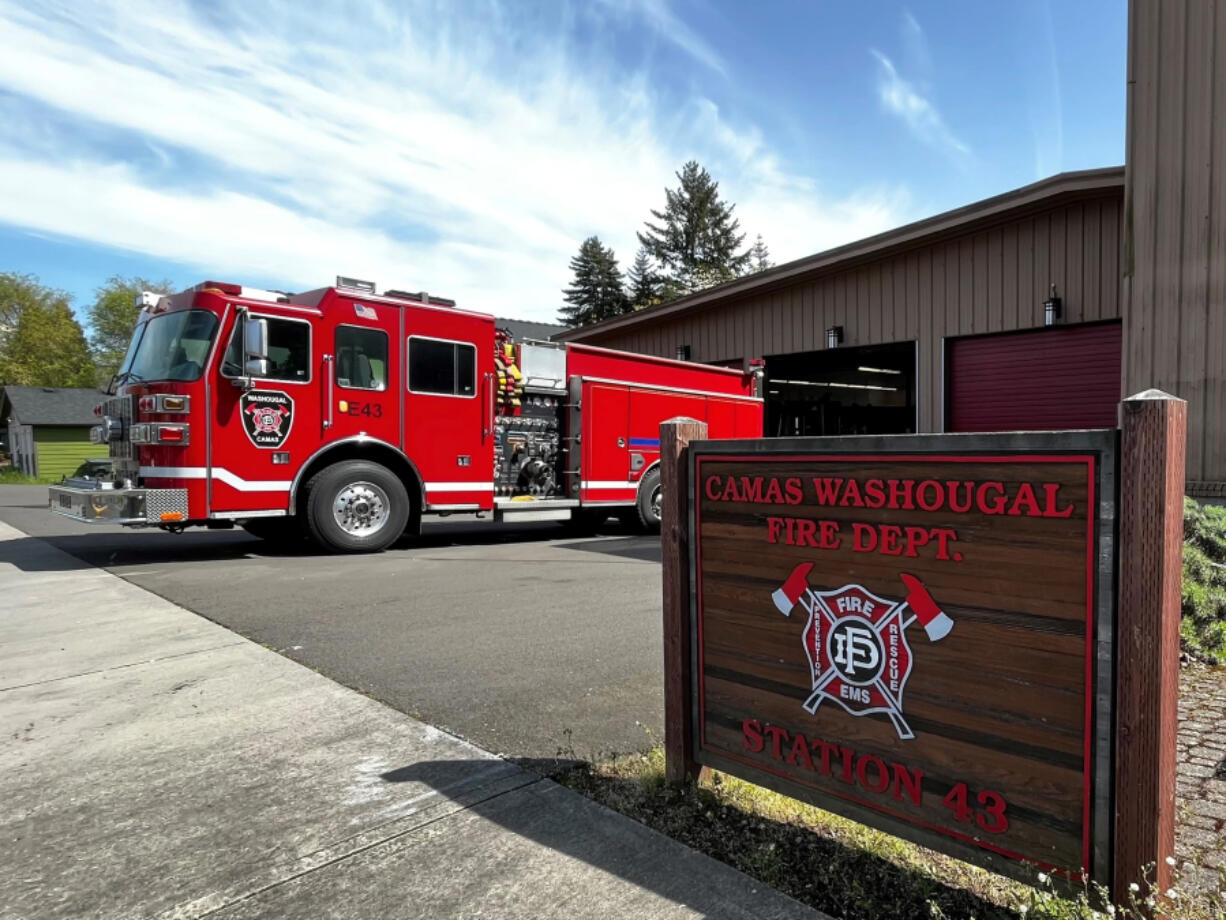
{"x": 657, "y": 503}
{"x": 361, "y": 508}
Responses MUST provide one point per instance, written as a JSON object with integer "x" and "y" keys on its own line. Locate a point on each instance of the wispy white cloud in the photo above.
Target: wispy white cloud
{"x": 907, "y": 100}
{"x": 661, "y": 19}
{"x": 915, "y": 43}
{"x": 417, "y": 145}
{"x": 1047, "y": 105}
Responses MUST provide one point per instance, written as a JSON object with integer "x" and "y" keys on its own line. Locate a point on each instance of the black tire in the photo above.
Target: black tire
{"x": 356, "y": 506}
{"x": 648, "y": 502}
{"x": 285, "y": 530}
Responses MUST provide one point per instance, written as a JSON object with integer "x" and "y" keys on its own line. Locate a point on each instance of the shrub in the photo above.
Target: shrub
{"x": 1203, "y": 630}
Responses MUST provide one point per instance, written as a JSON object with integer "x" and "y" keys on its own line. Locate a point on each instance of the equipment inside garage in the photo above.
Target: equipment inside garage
{"x": 837, "y": 391}
{"x": 1060, "y": 377}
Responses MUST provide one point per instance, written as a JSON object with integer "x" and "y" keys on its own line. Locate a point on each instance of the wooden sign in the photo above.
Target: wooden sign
{"x": 914, "y": 632}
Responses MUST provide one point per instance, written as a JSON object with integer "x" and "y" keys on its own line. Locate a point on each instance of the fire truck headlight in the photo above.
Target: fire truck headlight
{"x": 164, "y": 403}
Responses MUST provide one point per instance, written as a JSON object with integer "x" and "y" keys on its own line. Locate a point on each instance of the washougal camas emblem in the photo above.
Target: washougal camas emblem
{"x": 857, "y": 642}
{"x": 267, "y": 416}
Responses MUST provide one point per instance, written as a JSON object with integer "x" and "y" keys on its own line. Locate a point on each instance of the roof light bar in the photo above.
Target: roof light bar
{"x": 355, "y": 284}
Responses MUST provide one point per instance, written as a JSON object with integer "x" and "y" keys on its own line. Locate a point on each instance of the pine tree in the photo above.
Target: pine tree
{"x": 695, "y": 243}
{"x": 759, "y": 256}
{"x": 597, "y": 292}
{"x": 644, "y": 285}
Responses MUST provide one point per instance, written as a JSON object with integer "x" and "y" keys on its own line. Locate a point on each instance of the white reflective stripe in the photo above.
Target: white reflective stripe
{"x": 430, "y": 506}
{"x": 221, "y": 474}
{"x": 174, "y": 472}
{"x": 252, "y": 485}
{"x": 485, "y": 486}
{"x": 602, "y": 484}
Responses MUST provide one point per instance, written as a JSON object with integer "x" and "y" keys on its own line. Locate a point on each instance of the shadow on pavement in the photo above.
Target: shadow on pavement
{"x": 570, "y": 824}
{"x": 836, "y": 874}
{"x": 645, "y": 548}
{"x": 113, "y": 549}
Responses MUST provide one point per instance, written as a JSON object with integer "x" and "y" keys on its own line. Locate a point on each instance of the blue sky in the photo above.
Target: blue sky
{"x": 467, "y": 148}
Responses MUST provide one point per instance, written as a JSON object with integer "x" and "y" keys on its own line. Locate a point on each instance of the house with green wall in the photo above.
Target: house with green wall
{"x": 48, "y": 428}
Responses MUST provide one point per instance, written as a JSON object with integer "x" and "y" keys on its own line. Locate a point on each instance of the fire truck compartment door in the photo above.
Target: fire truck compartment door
{"x": 648, "y": 408}
{"x": 605, "y": 437}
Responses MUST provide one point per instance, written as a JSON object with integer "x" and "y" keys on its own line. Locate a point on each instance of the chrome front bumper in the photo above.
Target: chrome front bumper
{"x": 119, "y": 506}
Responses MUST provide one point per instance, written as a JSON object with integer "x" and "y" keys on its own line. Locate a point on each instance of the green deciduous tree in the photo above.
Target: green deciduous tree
{"x": 42, "y": 343}
{"x": 17, "y": 292}
{"x": 644, "y": 285}
{"x": 112, "y": 318}
{"x": 695, "y": 242}
{"x": 596, "y": 292}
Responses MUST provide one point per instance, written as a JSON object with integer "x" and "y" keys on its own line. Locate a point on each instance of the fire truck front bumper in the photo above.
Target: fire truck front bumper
{"x": 94, "y": 504}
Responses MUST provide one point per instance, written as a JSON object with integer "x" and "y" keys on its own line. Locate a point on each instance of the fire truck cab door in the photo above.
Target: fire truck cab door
{"x": 362, "y": 398}
{"x": 260, "y": 435}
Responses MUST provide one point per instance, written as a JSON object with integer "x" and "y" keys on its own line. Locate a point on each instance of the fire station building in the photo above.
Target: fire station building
{"x": 1036, "y": 309}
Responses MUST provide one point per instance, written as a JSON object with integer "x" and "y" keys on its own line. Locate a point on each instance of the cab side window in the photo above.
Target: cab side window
{"x": 289, "y": 351}
{"x": 361, "y": 358}
{"x": 443, "y": 368}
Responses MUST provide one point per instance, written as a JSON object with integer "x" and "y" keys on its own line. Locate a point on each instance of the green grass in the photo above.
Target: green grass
{"x": 838, "y": 866}
{"x": 13, "y": 477}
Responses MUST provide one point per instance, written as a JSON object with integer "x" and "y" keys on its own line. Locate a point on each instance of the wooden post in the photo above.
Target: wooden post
{"x": 675, "y": 436}
{"x": 1147, "y": 636}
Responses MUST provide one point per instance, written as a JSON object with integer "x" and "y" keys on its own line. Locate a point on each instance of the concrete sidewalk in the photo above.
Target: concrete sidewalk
{"x": 154, "y": 764}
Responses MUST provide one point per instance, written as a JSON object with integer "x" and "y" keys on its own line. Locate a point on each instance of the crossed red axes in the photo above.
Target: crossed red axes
{"x": 918, "y": 603}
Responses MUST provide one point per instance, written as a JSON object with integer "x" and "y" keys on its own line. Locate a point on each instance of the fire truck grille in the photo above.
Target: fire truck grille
{"x": 121, "y": 407}
{"x": 165, "y": 501}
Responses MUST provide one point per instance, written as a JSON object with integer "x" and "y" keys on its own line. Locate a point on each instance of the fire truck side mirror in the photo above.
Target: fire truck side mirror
{"x": 255, "y": 340}
{"x": 255, "y": 350}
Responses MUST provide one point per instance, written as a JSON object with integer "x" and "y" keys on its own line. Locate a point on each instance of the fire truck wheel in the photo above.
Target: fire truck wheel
{"x": 649, "y": 501}
{"x": 356, "y": 506}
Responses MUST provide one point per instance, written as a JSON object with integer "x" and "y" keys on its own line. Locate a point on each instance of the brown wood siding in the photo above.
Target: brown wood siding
{"x": 990, "y": 280}
{"x": 1174, "y": 273}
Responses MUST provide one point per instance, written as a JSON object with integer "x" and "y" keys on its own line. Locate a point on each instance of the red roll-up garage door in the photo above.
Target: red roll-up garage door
{"x": 1065, "y": 377}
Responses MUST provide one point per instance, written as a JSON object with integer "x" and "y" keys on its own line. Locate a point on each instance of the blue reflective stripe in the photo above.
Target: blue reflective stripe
{"x": 644, "y": 442}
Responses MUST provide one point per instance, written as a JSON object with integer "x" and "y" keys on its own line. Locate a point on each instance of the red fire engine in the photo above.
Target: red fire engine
{"x": 344, "y": 415}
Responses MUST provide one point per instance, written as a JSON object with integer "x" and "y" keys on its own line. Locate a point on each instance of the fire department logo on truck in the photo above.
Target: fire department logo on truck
{"x": 856, "y": 643}
{"x": 267, "y": 416}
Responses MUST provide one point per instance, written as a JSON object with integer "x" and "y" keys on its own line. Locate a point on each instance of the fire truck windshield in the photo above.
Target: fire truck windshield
{"x": 173, "y": 346}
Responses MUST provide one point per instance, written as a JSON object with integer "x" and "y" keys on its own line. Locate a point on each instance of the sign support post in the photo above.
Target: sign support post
{"x": 675, "y": 436}
{"x": 1147, "y": 640}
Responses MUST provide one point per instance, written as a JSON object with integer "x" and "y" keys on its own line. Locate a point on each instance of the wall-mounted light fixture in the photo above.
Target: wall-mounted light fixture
{"x": 683, "y": 352}
{"x": 1051, "y": 307}
{"x": 834, "y": 336}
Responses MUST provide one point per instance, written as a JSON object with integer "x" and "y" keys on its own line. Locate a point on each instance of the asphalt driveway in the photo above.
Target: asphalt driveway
{"x": 524, "y": 640}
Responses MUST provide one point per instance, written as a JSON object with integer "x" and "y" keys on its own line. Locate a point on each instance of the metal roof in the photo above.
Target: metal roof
{"x": 1029, "y": 198}
{"x": 50, "y": 405}
{"x": 521, "y": 329}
